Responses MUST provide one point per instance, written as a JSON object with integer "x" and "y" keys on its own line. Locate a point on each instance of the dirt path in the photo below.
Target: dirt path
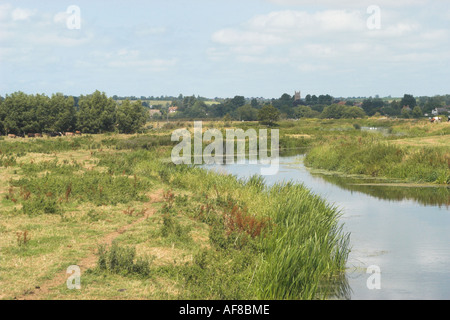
{"x": 89, "y": 261}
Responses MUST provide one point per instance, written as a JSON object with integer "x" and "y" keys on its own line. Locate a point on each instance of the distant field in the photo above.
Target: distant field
{"x": 164, "y": 102}
{"x": 438, "y": 141}
{"x": 168, "y": 102}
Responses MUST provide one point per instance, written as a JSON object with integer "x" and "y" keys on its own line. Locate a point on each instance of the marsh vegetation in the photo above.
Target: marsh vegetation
{"x": 144, "y": 228}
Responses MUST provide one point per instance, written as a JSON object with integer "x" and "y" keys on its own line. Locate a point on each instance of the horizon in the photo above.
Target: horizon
{"x": 174, "y": 97}
{"x": 259, "y": 48}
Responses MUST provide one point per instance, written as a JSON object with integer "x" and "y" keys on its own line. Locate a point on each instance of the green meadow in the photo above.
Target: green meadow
{"x": 140, "y": 227}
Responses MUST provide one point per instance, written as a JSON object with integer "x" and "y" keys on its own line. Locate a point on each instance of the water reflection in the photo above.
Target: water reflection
{"x": 424, "y": 195}
{"x": 404, "y": 231}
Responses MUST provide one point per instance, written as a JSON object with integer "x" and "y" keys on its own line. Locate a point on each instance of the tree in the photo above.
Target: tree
{"x": 353, "y": 113}
{"x": 62, "y": 114}
{"x": 97, "y": 113}
{"x": 417, "y": 112}
{"x": 408, "y": 100}
{"x": 268, "y": 114}
{"x": 247, "y": 113}
{"x": 197, "y": 111}
{"x": 308, "y": 100}
{"x": 284, "y": 100}
{"x": 130, "y": 116}
{"x": 302, "y": 111}
{"x": 285, "y": 104}
{"x": 406, "y": 113}
{"x": 372, "y": 106}
{"x": 325, "y": 99}
{"x": 336, "y": 111}
{"x": 16, "y": 112}
{"x": 237, "y": 101}
{"x": 254, "y": 103}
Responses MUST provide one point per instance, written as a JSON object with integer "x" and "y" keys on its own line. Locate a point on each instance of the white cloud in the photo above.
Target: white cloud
{"x": 145, "y": 64}
{"x": 5, "y": 10}
{"x": 283, "y": 27}
{"x": 61, "y": 17}
{"x": 20, "y": 14}
{"x": 236, "y": 37}
{"x": 125, "y": 58}
{"x": 350, "y": 3}
{"x": 144, "y": 31}
{"x": 327, "y": 37}
{"x": 291, "y": 23}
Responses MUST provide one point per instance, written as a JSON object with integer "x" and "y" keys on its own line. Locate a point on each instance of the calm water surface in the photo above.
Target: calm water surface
{"x": 403, "y": 231}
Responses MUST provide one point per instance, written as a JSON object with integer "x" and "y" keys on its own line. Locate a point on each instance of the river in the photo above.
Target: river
{"x": 403, "y": 231}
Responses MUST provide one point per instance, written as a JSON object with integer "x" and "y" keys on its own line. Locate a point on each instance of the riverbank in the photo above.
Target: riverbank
{"x": 403, "y": 231}
{"x": 141, "y": 228}
{"x": 409, "y": 151}
{"x": 376, "y": 156}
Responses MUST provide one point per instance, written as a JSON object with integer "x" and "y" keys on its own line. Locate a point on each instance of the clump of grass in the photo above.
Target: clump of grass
{"x": 7, "y": 160}
{"x": 90, "y": 186}
{"x": 377, "y": 158}
{"x": 41, "y": 205}
{"x": 305, "y": 248}
{"x": 147, "y": 142}
{"x": 223, "y": 275}
{"x": 170, "y": 225}
{"x": 123, "y": 261}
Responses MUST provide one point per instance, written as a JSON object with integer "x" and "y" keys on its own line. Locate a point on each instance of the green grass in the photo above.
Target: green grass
{"x": 376, "y": 157}
{"x": 213, "y": 236}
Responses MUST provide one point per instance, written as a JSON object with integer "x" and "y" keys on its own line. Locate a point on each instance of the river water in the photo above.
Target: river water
{"x": 403, "y": 231}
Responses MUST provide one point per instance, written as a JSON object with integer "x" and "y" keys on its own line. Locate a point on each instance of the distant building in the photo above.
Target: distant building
{"x": 407, "y": 108}
{"x": 298, "y": 96}
{"x": 438, "y": 111}
{"x": 173, "y": 109}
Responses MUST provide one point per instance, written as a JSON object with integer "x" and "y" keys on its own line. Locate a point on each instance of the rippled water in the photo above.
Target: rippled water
{"x": 403, "y": 231}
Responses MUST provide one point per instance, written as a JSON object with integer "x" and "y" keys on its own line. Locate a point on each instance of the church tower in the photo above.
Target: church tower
{"x": 298, "y": 96}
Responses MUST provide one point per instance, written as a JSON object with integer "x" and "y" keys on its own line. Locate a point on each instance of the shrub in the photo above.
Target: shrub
{"x": 41, "y": 205}
{"x": 123, "y": 261}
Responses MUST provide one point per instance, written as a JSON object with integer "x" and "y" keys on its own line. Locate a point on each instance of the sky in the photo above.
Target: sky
{"x": 254, "y": 48}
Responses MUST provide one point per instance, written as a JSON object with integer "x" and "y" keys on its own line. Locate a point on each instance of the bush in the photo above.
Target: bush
{"x": 41, "y": 205}
{"x": 123, "y": 261}
{"x": 172, "y": 227}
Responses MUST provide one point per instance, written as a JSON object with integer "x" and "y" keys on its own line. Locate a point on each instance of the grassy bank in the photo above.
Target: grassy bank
{"x": 381, "y": 156}
{"x": 140, "y": 227}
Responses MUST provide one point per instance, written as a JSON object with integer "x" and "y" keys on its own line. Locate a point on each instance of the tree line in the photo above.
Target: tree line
{"x": 22, "y": 114}
{"x": 312, "y": 106}
{"x": 264, "y": 110}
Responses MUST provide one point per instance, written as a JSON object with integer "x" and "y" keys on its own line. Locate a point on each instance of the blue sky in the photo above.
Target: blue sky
{"x": 255, "y": 48}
